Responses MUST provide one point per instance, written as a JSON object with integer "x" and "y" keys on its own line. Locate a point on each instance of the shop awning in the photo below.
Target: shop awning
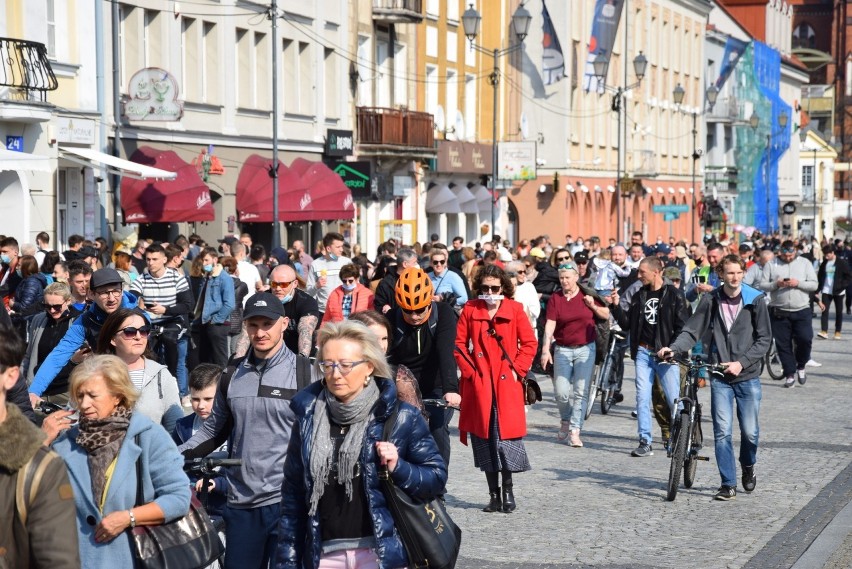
{"x": 184, "y": 198}
{"x": 483, "y": 199}
{"x": 329, "y": 196}
{"x": 112, "y": 165}
{"x": 467, "y": 201}
{"x": 14, "y": 161}
{"x": 441, "y": 199}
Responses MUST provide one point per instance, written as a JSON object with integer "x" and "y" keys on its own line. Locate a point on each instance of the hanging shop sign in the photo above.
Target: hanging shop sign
{"x": 75, "y": 131}
{"x": 516, "y": 161}
{"x": 357, "y": 176}
{"x": 153, "y": 96}
{"x": 339, "y": 143}
{"x": 463, "y": 157}
{"x": 789, "y": 208}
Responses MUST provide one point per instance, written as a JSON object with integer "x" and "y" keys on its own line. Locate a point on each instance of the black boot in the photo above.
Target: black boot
{"x": 508, "y": 499}
{"x": 495, "y": 505}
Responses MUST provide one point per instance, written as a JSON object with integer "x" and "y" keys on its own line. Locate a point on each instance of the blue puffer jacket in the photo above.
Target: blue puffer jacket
{"x": 420, "y": 472}
{"x": 29, "y": 295}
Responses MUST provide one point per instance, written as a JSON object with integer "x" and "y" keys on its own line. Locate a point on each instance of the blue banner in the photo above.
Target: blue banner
{"x": 552, "y": 60}
{"x": 734, "y": 49}
{"x": 604, "y": 28}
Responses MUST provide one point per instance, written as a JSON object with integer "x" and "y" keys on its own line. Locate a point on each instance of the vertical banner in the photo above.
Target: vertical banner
{"x": 734, "y": 49}
{"x": 552, "y": 60}
{"x": 604, "y": 28}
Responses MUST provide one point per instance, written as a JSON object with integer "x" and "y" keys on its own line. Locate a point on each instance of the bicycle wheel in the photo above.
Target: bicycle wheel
{"x": 607, "y": 385}
{"x": 773, "y": 363}
{"x": 593, "y": 392}
{"x": 680, "y": 440}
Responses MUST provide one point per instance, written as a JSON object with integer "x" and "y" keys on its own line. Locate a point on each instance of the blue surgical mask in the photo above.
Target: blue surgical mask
{"x": 19, "y": 273}
{"x": 332, "y": 257}
{"x": 349, "y": 288}
{"x": 287, "y": 298}
{"x": 6, "y": 259}
{"x": 208, "y": 268}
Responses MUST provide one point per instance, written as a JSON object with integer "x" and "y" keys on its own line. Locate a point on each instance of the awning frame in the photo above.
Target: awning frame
{"x": 23, "y": 161}
{"x": 112, "y": 165}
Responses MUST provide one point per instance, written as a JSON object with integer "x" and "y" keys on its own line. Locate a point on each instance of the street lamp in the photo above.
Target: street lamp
{"x": 600, "y": 65}
{"x": 711, "y": 95}
{"x": 520, "y": 27}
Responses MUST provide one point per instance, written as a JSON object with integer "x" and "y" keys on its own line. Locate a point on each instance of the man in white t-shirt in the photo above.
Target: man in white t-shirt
{"x": 324, "y": 275}
{"x": 248, "y": 273}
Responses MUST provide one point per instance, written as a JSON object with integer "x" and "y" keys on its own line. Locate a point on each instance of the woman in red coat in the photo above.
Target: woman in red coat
{"x": 492, "y": 393}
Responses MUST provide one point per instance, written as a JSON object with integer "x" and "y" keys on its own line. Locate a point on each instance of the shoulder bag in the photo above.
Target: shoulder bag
{"x": 190, "y": 542}
{"x": 430, "y": 537}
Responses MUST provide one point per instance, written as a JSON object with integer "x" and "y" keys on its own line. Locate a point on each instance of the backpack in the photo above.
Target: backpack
{"x": 29, "y": 480}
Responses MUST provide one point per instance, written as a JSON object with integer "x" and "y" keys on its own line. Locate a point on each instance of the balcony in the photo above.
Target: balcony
{"x": 395, "y": 132}
{"x": 25, "y": 79}
{"x": 398, "y": 11}
{"x": 725, "y": 110}
{"x": 644, "y": 164}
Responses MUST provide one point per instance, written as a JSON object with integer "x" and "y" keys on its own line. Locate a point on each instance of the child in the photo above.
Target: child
{"x": 607, "y": 272}
{"x": 203, "y": 382}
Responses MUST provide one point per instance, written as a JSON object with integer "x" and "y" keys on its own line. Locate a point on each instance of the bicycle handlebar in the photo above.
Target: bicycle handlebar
{"x": 440, "y": 403}
{"x": 694, "y": 362}
{"x": 209, "y": 463}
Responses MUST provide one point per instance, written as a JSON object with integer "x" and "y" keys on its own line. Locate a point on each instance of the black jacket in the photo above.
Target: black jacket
{"x": 672, "y": 314}
{"x": 386, "y": 291}
{"x": 842, "y": 275}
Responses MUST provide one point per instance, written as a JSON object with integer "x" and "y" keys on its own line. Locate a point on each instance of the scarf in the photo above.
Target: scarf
{"x": 101, "y": 439}
{"x": 355, "y": 415}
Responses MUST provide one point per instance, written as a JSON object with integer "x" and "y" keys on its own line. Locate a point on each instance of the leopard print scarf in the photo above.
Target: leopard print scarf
{"x": 101, "y": 439}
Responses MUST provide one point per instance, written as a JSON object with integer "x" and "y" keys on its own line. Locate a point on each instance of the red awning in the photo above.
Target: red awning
{"x": 308, "y": 191}
{"x": 184, "y": 199}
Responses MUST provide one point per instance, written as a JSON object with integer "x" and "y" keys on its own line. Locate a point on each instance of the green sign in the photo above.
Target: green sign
{"x": 671, "y": 208}
{"x": 357, "y": 176}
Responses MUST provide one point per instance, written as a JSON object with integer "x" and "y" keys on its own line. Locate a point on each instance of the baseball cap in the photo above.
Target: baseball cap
{"x": 681, "y": 251}
{"x": 230, "y": 240}
{"x": 581, "y": 258}
{"x": 672, "y": 273}
{"x": 505, "y": 256}
{"x": 104, "y": 277}
{"x": 662, "y": 248}
{"x": 744, "y": 247}
{"x": 537, "y": 252}
{"x": 85, "y": 252}
{"x": 263, "y": 304}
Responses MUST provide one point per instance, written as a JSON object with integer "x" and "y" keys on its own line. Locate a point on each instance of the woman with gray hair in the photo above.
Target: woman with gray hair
{"x": 333, "y": 512}
{"x": 571, "y": 327}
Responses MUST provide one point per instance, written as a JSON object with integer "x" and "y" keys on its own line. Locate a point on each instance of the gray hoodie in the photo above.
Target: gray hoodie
{"x": 788, "y": 298}
{"x": 159, "y": 400}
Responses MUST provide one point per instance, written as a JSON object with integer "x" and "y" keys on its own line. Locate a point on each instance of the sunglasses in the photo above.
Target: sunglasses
{"x": 438, "y": 262}
{"x": 562, "y": 259}
{"x": 567, "y": 267}
{"x": 417, "y": 311}
{"x": 52, "y": 307}
{"x": 485, "y": 289}
{"x": 348, "y": 281}
{"x": 285, "y": 284}
{"x": 131, "y": 332}
{"x": 787, "y": 250}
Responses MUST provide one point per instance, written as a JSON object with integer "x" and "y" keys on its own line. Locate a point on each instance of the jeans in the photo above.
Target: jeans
{"x": 747, "y": 395}
{"x": 838, "y": 312}
{"x": 790, "y": 328}
{"x": 350, "y": 559}
{"x": 646, "y": 367}
{"x": 251, "y": 535}
{"x": 572, "y": 369}
{"x": 182, "y": 378}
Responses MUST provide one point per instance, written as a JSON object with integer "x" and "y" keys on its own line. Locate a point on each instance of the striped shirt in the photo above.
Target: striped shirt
{"x": 137, "y": 377}
{"x": 163, "y": 290}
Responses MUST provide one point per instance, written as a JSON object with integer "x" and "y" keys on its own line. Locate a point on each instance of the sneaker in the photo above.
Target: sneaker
{"x": 837, "y": 336}
{"x": 823, "y": 334}
{"x": 803, "y": 377}
{"x": 575, "y": 438}
{"x": 186, "y": 401}
{"x": 726, "y": 493}
{"x": 749, "y": 478}
{"x": 634, "y": 413}
{"x": 644, "y": 449}
{"x": 618, "y": 397}
{"x": 564, "y": 431}
{"x": 813, "y": 363}
{"x": 790, "y": 381}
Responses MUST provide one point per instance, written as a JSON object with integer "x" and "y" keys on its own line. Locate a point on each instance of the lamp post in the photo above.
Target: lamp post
{"x": 754, "y": 121}
{"x": 520, "y": 26}
{"x": 711, "y": 95}
{"x": 601, "y": 64}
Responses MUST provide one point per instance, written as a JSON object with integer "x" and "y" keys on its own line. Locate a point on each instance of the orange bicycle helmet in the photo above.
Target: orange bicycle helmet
{"x": 413, "y": 289}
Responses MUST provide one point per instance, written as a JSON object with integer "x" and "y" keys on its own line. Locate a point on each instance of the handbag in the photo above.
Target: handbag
{"x": 430, "y": 537}
{"x": 532, "y": 391}
{"x": 190, "y": 542}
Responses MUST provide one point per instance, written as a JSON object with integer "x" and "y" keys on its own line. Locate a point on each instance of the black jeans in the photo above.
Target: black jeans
{"x": 213, "y": 344}
{"x": 164, "y": 345}
{"x": 838, "y": 311}
{"x": 439, "y": 421}
{"x": 794, "y": 334}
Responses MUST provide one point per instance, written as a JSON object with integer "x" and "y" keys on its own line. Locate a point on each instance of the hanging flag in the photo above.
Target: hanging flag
{"x": 734, "y": 49}
{"x": 552, "y": 60}
{"x": 604, "y": 27}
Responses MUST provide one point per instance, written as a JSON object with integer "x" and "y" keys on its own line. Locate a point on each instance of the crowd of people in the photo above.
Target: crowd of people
{"x": 293, "y": 363}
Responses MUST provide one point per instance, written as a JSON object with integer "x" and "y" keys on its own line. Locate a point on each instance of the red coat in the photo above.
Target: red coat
{"x": 362, "y": 299}
{"x": 485, "y": 372}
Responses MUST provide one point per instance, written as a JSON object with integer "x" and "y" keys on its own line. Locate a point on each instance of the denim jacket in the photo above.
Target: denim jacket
{"x": 219, "y": 298}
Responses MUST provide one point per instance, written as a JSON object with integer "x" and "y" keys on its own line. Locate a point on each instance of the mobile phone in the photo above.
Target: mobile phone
{"x": 702, "y": 279}
{"x": 75, "y": 417}
{"x": 786, "y": 279}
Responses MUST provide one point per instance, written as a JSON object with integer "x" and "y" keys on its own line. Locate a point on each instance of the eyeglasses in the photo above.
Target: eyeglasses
{"x": 561, "y": 259}
{"x": 417, "y": 311}
{"x": 439, "y": 262}
{"x": 327, "y": 368}
{"x": 350, "y": 280}
{"x": 53, "y": 307}
{"x": 130, "y": 332}
{"x": 106, "y": 293}
{"x": 485, "y": 289}
{"x": 285, "y": 284}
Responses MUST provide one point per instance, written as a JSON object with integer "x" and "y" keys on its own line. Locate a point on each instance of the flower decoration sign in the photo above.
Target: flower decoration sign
{"x": 153, "y": 96}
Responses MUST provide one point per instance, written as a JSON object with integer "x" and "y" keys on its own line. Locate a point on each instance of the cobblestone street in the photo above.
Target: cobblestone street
{"x": 599, "y": 507}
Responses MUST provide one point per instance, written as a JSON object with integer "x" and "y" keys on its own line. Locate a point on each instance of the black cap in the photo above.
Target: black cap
{"x": 662, "y": 248}
{"x": 581, "y": 258}
{"x": 104, "y": 277}
{"x": 229, "y": 240}
{"x": 264, "y": 304}
{"x": 85, "y": 252}
{"x": 744, "y": 247}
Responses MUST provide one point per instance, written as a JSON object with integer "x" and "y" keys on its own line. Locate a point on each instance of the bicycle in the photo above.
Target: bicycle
{"x": 206, "y": 467}
{"x": 607, "y": 379}
{"x": 687, "y": 439}
{"x": 772, "y": 363}
{"x": 440, "y": 403}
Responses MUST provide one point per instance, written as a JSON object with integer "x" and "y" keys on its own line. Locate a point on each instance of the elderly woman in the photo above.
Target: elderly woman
{"x": 101, "y": 453}
{"x": 125, "y": 333}
{"x": 525, "y": 292}
{"x": 490, "y": 387}
{"x": 332, "y": 507}
{"x": 570, "y": 322}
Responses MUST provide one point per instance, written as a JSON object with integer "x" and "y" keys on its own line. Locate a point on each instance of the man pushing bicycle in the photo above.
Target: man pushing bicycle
{"x": 733, "y": 321}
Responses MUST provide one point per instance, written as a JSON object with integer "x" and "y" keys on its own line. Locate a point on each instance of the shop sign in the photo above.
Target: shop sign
{"x": 516, "y": 161}
{"x": 153, "y": 96}
{"x": 339, "y": 143}
{"x": 357, "y": 176}
{"x": 75, "y": 131}
{"x": 402, "y": 186}
{"x": 789, "y": 208}
{"x": 463, "y": 157}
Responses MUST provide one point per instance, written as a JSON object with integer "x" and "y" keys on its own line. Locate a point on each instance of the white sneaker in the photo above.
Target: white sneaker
{"x": 186, "y": 402}
{"x": 813, "y": 363}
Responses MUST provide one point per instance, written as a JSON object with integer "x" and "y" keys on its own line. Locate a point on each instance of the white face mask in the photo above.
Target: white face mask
{"x": 491, "y": 299}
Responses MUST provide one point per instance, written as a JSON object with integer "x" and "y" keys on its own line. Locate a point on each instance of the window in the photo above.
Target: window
{"x": 307, "y": 80}
{"x": 51, "y": 29}
{"x": 290, "y": 76}
{"x": 452, "y": 98}
{"x": 364, "y": 68}
{"x": 452, "y": 46}
{"x": 190, "y": 59}
{"x": 433, "y": 7}
{"x": 804, "y": 36}
{"x": 453, "y": 10}
{"x": 243, "y": 75}
{"x": 331, "y": 83}
{"x": 153, "y": 46}
{"x": 263, "y": 71}
{"x": 400, "y": 87}
{"x": 808, "y": 182}
{"x": 210, "y": 64}
{"x": 470, "y": 106}
{"x": 431, "y": 89}
{"x": 384, "y": 71}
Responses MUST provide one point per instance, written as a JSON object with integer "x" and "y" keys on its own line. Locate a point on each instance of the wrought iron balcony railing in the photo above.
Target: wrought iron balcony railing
{"x": 24, "y": 68}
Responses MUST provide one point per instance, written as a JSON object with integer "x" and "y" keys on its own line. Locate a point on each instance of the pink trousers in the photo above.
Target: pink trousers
{"x": 350, "y": 559}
